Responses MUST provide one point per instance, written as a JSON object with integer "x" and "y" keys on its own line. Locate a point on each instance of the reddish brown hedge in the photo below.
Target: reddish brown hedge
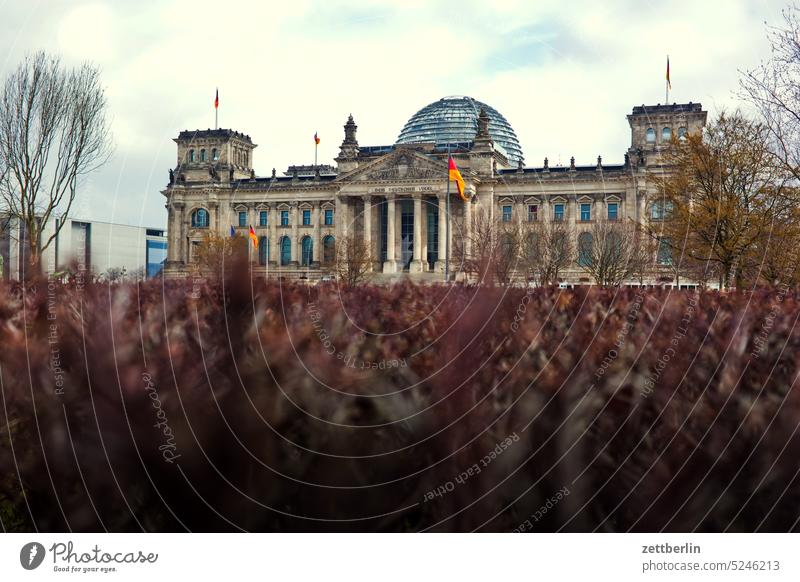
{"x": 273, "y": 407}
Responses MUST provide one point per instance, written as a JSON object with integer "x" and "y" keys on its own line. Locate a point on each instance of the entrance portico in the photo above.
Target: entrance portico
{"x": 396, "y": 228}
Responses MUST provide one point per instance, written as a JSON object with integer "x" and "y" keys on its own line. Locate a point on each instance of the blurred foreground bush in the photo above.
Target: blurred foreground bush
{"x": 274, "y": 407}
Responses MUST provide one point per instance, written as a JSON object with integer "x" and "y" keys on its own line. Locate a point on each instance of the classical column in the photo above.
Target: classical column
{"x": 368, "y": 227}
{"x": 172, "y": 239}
{"x": 296, "y": 249}
{"x": 272, "y": 221}
{"x": 468, "y": 224}
{"x": 213, "y": 222}
{"x": 181, "y": 235}
{"x": 346, "y": 226}
{"x": 439, "y": 267}
{"x": 390, "y": 265}
{"x": 572, "y": 209}
{"x": 316, "y": 251}
{"x": 417, "y": 266}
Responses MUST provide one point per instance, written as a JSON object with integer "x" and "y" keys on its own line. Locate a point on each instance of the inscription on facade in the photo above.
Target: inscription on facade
{"x": 401, "y": 189}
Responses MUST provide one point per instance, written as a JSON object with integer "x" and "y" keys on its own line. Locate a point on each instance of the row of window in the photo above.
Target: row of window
{"x": 306, "y": 250}
{"x": 585, "y": 242}
{"x": 559, "y": 209}
{"x": 200, "y": 218}
{"x": 214, "y": 155}
{"x": 666, "y": 134}
{"x": 240, "y": 156}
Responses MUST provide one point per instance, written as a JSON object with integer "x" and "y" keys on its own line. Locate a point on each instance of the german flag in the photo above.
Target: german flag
{"x": 316, "y": 138}
{"x": 253, "y": 237}
{"x": 669, "y": 83}
{"x": 455, "y": 176}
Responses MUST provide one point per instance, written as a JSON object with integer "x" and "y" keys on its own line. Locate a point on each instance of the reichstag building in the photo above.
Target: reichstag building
{"x": 394, "y": 196}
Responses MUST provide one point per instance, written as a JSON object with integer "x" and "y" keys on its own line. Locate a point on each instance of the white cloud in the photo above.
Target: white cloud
{"x": 565, "y": 79}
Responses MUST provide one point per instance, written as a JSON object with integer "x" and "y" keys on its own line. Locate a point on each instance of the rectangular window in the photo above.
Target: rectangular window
{"x": 243, "y": 219}
{"x": 306, "y": 218}
{"x": 263, "y": 218}
{"x": 586, "y": 212}
{"x": 329, "y": 217}
{"x": 533, "y": 212}
{"x": 613, "y": 211}
{"x": 558, "y": 212}
{"x": 284, "y": 218}
{"x": 506, "y": 213}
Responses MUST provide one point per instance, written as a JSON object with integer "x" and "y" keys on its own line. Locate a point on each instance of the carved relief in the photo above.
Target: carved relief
{"x": 405, "y": 168}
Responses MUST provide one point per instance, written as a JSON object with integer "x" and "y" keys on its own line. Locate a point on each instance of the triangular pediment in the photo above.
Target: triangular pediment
{"x": 400, "y": 164}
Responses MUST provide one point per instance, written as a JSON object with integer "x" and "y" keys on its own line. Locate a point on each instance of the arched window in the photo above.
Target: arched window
{"x": 664, "y": 252}
{"x": 532, "y": 244}
{"x": 203, "y": 155}
{"x": 191, "y": 155}
{"x": 200, "y": 218}
{"x": 681, "y": 133}
{"x": 263, "y": 250}
{"x": 650, "y": 135}
{"x": 214, "y": 154}
{"x": 286, "y": 250}
{"x": 666, "y": 134}
{"x": 507, "y": 248}
{"x": 307, "y": 254}
{"x": 585, "y": 249}
{"x": 661, "y": 209}
{"x": 328, "y": 249}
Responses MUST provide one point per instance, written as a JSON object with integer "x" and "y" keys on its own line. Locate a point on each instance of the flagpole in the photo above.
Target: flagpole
{"x": 666, "y": 85}
{"x": 447, "y": 223}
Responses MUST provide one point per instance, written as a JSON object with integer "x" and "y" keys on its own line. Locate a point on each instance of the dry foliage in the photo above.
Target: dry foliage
{"x": 727, "y": 193}
{"x": 354, "y": 261}
{"x": 273, "y": 431}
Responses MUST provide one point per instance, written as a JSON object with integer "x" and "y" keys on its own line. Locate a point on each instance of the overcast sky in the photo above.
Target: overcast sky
{"x": 564, "y": 74}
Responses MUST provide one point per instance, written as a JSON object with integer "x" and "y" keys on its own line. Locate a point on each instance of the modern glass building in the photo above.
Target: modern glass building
{"x": 454, "y": 120}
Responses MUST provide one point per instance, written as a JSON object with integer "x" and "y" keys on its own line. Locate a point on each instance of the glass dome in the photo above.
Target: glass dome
{"x": 452, "y": 120}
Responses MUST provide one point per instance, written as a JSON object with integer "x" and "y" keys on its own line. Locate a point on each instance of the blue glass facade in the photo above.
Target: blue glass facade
{"x": 156, "y": 254}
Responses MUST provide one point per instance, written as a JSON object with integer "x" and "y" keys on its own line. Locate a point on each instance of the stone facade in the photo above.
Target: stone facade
{"x": 393, "y": 196}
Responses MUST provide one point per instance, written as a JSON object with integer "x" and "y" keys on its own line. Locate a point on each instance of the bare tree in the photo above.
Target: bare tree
{"x": 773, "y": 88}
{"x": 610, "y": 252}
{"x": 353, "y": 264}
{"x": 53, "y": 132}
{"x": 547, "y": 248}
{"x": 489, "y": 250}
{"x": 648, "y": 256}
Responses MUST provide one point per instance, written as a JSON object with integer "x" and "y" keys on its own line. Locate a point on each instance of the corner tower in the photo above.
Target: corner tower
{"x": 653, "y": 126}
{"x": 213, "y": 155}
